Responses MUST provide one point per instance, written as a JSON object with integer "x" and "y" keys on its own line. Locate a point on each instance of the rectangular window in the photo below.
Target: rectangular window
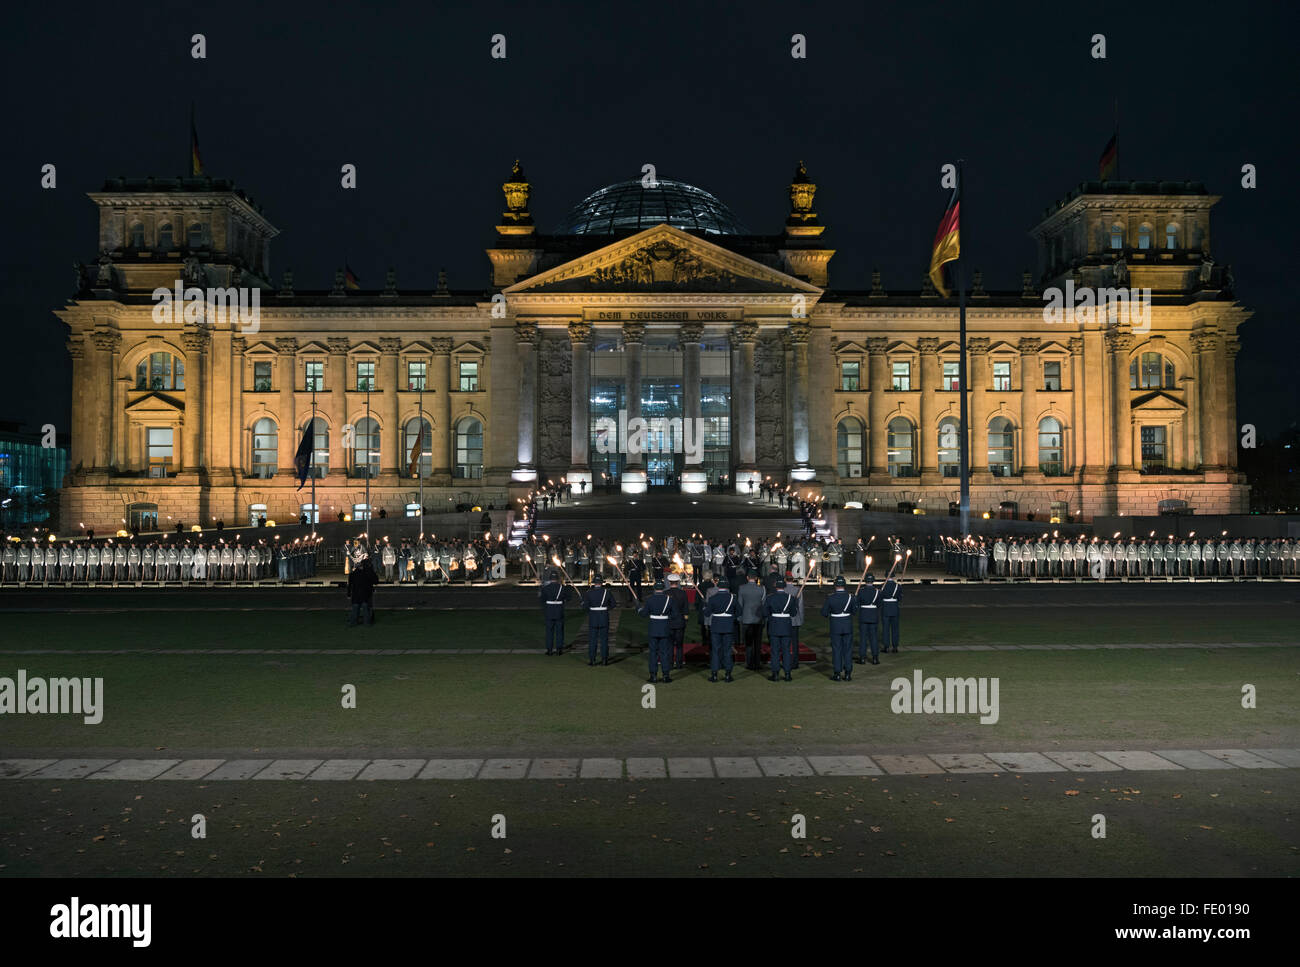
{"x": 1153, "y": 449}
{"x": 315, "y": 377}
{"x": 1052, "y": 375}
{"x": 415, "y": 375}
{"x": 849, "y": 382}
{"x": 469, "y": 377}
{"x": 360, "y": 511}
{"x": 365, "y": 377}
{"x": 1002, "y": 376}
{"x": 903, "y": 376}
{"x": 262, "y": 377}
{"x": 952, "y": 376}
{"x": 159, "y": 439}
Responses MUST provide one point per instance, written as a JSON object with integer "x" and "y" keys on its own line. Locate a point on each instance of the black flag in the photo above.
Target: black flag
{"x": 302, "y": 459}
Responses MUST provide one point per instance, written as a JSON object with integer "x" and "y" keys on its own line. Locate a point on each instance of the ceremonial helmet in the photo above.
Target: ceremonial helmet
{"x": 839, "y": 581}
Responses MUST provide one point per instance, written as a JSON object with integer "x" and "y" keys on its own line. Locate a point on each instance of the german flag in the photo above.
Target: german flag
{"x": 350, "y": 280}
{"x": 947, "y": 241}
{"x": 417, "y": 451}
{"x": 196, "y": 162}
{"x": 1108, "y": 164}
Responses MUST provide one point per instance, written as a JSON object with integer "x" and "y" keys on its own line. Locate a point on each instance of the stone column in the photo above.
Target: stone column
{"x": 877, "y": 386}
{"x": 1076, "y": 455}
{"x": 694, "y": 478}
{"x": 195, "y": 344}
{"x": 288, "y": 429}
{"x": 526, "y": 448}
{"x": 1229, "y": 417}
{"x": 393, "y": 441}
{"x": 580, "y": 406}
{"x": 1029, "y": 376}
{"x": 978, "y": 365}
{"x": 443, "y": 440}
{"x": 744, "y": 335}
{"x": 337, "y": 407}
{"x": 1119, "y": 344}
{"x": 927, "y": 434}
{"x": 799, "y": 332}
{"x": 634, "y": 476}
{"x": 101, "y": 399}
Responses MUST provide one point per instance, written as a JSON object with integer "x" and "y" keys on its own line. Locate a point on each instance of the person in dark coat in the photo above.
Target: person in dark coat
{"x": 361, "y": 590}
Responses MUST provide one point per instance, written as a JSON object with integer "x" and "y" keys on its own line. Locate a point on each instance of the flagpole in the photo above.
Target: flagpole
{"x": 313, "y": 516}
{"x": 369, "y": 455}
{"x": 419, "y": 467}
{"x": 964, "y": 456}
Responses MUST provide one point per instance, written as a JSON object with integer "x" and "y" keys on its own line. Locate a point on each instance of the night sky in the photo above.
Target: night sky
{"x": 588, "y": 93}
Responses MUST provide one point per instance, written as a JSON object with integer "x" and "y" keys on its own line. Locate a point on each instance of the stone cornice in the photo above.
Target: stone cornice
{"x": 182, "y": 201}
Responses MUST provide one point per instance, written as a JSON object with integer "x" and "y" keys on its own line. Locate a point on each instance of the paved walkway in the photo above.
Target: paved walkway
{"x": 651, "y": 767}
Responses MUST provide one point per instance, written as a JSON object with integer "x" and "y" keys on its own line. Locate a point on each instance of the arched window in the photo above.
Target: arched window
{"x": 418, "y": 434}
{"x": 469, "y": 448}
{"x": 1002, "y": 447}
{"x": 165, "y": 241}
{"x": 1117, "y": 235}
{"x": 160, "y": 371}
{"x": 196, "y": 235}
{"x": 1171, "y": 235}
{"x": 137, "y": 235}
{"x": 1051, "y": 448}
{"x": 1144, "y": 236}
{"x": 320, "y": 446}
{"x": 949, "y": 448}
{"x": 1151, "y": 371}
{"x": 899, "y": 445}
{"x": 365, "y": 449}
{"x": 266, "y": 445}
{"x": 848, "y": 446}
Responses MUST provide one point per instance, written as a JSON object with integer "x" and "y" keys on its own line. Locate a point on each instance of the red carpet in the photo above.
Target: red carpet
{"x": 696, "y": 652}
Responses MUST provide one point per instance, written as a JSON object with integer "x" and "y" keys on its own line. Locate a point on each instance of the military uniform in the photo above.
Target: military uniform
{"x": 890, "y": 597}
{"x": 779, "y": 608}
{"x": 659, "y": 608}
{"x": 597, "y": 602}
{"x": 868, "y": 620}
{"x": 721, "y": 611}
{"x": 840, "y": 606}
{"x": 677, "y": 625}
{"x": 553, "y": 596}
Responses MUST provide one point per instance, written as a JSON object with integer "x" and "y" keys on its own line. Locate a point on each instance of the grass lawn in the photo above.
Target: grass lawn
{"x": 1191, "y": 823}
{"x": 538, "y": 706}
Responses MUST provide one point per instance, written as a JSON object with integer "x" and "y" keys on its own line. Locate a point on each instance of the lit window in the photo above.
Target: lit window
{"x": 849, "y": 373}
{"x": 1002, "y": 376}
{"x": 1051, "y": 453}
{"x": 312, "y": 511}
{"x": 1002, "y": 447}
{"x": 1052, "y": 375}
{"x": 415, "y": 373}
{"x": 315, "y": 377}
{"x": 1144, "y": 237}
{"x": 1152, "y": 372}
{"x": 418, "y": 433}
{"x": 159, "y": 441}
{"x": 160, "y": 371}
{"x": 848, "y": 446}
{"x": 262, "y": 377}
{"x": 469, "y": 377}
{"x": 365, "y": 377}
{"x": 266, "y": 440}
{"x": 1117, "y": 235}
{"x": 952, "y": 376}
{"x": 320, "y": 447}
{"x": 1171, "y": 235}
{"x": 360, "y": 511}
{"x": 899, "y": 445}
{"x": 903, "y": 376}
{"x": 1153, "y": 449}
{"x": 949, "y": 448}
{"x": 469, "y": 448}
{"x": 365, "y": 450}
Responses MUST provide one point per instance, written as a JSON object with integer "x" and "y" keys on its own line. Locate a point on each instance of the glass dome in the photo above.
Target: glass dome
{"x": 628, "y": 206}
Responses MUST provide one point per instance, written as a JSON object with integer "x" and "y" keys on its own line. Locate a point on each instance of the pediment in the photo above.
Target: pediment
{"x": 416, "y": 347}
{"x": 469, "y": 348}
{"x": 312, "y": 347}
{"x": 850, "y": 348}
{"x": 1001, "y": 346}
{"x": 1053, "y": 347}
{"x": 365, "y": 348}
{"x": 261, "y": 348}
{"x": 1159, "y": 401}
{"x": 662, "y": 259}
{"x": 155, "y": 403}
